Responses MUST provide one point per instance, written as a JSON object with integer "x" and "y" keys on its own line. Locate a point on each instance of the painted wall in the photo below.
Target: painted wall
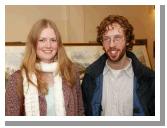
{"x": 77, "y": 24}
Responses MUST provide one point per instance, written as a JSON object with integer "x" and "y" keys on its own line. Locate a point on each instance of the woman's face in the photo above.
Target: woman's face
{"x": 47, "y": 45}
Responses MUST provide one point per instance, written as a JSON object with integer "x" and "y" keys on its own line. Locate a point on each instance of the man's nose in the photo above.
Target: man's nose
{"x": 112, "y": 43}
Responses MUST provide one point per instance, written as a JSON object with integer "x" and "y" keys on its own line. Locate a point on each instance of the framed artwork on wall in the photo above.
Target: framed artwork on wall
{"x": 82, "y": 54}
{"x": 140, "y": 50}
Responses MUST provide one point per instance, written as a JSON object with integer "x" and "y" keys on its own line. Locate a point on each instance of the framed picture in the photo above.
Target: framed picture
{"x": 140, "y": 50}
{"x": 13, "y": 57}
{"x": 82, "y": 54}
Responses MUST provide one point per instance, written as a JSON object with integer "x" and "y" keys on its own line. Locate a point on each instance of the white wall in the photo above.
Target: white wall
{"x": 77, "y": 24}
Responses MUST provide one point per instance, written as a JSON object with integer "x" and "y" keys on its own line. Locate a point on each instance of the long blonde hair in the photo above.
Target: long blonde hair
{"x": 66, "y": 67}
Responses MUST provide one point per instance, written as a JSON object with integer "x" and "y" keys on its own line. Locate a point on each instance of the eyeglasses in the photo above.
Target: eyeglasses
{"x": 115, "y": 39}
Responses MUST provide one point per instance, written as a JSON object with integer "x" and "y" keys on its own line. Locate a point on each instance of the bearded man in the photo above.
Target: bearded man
{"x": 118, "y": 84}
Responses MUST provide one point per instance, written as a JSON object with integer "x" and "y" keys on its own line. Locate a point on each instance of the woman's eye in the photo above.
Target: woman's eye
{"x": 45, "y": 40}
{"x": 54, "y": 40}
{"x": 41, "y": 40}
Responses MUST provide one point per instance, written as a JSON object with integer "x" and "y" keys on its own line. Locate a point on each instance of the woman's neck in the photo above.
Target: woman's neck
{"x": 47, "y": 67}
{"x": 47, "y": 77}
{"x": 47, "y": 71}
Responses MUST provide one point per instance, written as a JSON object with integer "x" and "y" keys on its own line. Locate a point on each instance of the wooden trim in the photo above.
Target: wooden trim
{"x": 14, "y": 43}
{"x": 141, "y": 42}
{"x": 65, "y": 44}
{"x": 90, "y": 43}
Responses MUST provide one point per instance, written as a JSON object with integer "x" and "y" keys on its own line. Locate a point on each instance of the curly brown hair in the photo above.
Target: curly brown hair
{"x": 123, "y": 22}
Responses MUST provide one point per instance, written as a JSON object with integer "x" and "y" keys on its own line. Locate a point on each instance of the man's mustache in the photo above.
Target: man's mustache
{"x": 113, "y": 49}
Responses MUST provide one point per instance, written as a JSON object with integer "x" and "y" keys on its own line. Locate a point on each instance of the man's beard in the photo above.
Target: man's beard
{"x": 111, "y": 58}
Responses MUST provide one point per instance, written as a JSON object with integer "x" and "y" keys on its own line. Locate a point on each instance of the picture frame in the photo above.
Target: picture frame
{"x": 82, "y": 54}
{"x": 14, "y": 52}
{"x": 140, "y": 50}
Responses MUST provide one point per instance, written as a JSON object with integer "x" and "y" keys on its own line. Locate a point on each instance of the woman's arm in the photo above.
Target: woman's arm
{"x": 14, "y": 95}
{"x": 79, "y": 97}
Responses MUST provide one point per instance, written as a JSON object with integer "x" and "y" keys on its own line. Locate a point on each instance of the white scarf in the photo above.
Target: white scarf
{"x": 31, "y": 92}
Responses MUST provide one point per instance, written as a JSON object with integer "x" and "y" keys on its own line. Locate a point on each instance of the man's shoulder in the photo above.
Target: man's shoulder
{"x": 139, "y": 68}
{"x": 97, "y": 66}
{"x": 147, "y": 72}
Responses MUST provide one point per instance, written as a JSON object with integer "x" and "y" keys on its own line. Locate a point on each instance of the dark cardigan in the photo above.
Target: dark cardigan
{"x": 14, "y": 98}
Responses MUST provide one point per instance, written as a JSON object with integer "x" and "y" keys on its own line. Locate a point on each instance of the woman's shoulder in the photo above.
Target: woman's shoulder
{"x": 14, "y": 78}
{"x": 14, "y": 94}
{"x": 16, "y": 75}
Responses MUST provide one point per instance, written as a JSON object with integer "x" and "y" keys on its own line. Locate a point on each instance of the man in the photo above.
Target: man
{"x": 117, "y": 84}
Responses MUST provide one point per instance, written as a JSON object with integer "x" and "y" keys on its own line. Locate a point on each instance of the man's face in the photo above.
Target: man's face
{"x": 114, "y": 42}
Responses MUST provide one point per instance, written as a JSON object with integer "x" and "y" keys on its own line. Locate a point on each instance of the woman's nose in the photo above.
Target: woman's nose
{"x": 48, "y": 43}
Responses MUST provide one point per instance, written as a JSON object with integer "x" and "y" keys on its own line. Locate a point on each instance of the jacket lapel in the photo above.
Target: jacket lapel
{"x": 66, "y": 92}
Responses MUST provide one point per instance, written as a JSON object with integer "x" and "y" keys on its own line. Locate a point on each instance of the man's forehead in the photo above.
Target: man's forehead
{"x": 113, "y": 28}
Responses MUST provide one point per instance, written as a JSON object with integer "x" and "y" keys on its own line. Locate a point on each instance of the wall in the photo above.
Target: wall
{"x": 141, "y": 17}
{"x": 78, "y": 23}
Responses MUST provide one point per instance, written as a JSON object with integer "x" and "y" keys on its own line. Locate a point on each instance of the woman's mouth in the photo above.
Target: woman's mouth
{"x": 47, "y": 51}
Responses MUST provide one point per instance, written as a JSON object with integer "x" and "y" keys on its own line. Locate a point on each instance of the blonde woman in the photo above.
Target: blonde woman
{"x": 47, "y": 83}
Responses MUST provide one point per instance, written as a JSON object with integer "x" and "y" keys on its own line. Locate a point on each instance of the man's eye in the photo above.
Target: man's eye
{"x": 106, "y": 39}
{"x": 117, "y": 38}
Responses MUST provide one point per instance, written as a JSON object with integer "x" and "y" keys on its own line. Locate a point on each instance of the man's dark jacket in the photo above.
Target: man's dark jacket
{"x": 143, "y": 90}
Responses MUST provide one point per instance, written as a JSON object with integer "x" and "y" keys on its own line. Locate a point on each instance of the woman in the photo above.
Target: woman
{"x": 47, "y": 83}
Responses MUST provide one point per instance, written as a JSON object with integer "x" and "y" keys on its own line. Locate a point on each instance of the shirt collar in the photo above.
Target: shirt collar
{"x": 128, "y": 69}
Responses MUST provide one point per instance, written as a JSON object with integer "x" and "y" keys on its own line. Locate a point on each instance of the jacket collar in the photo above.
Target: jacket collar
{"x": 139, "y": 69}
